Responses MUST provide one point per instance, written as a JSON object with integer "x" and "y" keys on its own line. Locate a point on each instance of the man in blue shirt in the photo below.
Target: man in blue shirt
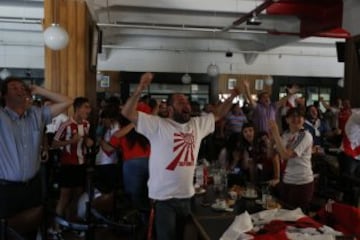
{"x": 21, "y": 130}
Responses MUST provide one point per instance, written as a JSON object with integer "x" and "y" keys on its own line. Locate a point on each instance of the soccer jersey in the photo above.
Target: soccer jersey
{"x": 73, "y": 154}
{"x": 104, "y": 157}
{"x": 351, "y": 140}
{"x": 298, "y": 169}
{"x": 174, "y": 150}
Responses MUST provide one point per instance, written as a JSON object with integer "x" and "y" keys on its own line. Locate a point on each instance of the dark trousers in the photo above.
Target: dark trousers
{"x": 295, "y": 196}
{"x": 170, "y": 218}
{"x": 16, "y": 197}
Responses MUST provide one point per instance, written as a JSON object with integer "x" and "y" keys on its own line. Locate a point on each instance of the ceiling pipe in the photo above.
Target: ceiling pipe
{"x": 180, "y": 50}
{"x": 179, "y": 28}
{"x": 21, "y": 20}
{"x": 250, "y": 14}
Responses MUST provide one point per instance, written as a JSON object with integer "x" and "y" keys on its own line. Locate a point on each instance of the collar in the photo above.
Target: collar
{"x": 14, "y": 115}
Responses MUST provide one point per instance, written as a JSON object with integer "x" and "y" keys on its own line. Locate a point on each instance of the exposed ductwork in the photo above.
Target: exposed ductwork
{"x": 318, "y": 18}
{"x": 321, "y": 18}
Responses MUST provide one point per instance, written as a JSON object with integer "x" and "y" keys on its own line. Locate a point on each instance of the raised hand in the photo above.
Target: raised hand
{"x": 145, "y": 81}
{"x": 246, "y": 84}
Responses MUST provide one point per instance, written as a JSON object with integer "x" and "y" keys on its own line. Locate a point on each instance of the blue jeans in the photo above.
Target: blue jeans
{"x": 170, "y": 218}
{"x": 135, "y": 177}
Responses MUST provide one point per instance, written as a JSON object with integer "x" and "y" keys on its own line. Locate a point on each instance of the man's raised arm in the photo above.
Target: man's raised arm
{"x": 225, "y": 107}
{"x": 129, "y": 109}
{"x": 60, "y": 102}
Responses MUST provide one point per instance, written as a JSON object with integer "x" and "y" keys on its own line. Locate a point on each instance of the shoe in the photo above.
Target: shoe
{"x": 55, "y": 235}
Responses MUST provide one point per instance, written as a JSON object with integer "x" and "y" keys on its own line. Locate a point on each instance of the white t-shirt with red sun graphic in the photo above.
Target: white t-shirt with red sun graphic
{"x": 174, "y": 150}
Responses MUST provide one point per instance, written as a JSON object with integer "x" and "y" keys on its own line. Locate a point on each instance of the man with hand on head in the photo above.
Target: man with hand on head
{"x": 21, "y": 130}
{"x": 175, "y": 143}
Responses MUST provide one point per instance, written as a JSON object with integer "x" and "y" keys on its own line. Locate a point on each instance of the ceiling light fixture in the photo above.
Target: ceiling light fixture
{"x": 4, "y": 74}
{"x": 213, "y": 70}
{"x": 55, "y": 37}
{"x": 186, "y": 78}
{"x": 254, "y": 20}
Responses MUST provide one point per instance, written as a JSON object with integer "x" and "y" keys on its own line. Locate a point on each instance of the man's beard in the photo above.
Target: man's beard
{"x": 180, "y": 117}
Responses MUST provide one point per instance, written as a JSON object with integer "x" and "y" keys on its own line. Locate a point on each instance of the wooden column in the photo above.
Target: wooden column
{"x": 68, "y": 71}
{"x": 352, "y": 71}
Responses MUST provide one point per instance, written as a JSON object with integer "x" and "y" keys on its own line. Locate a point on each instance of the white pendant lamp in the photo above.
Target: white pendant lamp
{"x": 5, "y": 73}
{"x": 213, "y": 70}
{"x": 55, "y": 37}
{"x": 186, "y": 78}
{"x": 269, "y": 81}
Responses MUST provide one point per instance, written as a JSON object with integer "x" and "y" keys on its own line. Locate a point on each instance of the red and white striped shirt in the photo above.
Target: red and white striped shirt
{"x": 72, "y": 154}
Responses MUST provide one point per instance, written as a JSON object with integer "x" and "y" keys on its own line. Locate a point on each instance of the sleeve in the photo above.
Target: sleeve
{"x": 46, "y": 114}
{"x": 206, "y": 124}
{"x": 114, "y": 142}
{"x": 147, "y": 124}
{"x": 304, "y": 142}
{"x": 352, "y": 130}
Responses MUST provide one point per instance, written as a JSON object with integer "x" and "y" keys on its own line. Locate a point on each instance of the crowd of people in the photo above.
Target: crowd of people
{"x": 158, "y": 144}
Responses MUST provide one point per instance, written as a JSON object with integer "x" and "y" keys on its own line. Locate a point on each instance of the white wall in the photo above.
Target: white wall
{"x": 282, "y": 61}
{"x": 291, "y": 61}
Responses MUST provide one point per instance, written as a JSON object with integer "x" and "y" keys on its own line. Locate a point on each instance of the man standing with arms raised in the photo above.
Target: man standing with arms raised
{"x": 175, "y": 143}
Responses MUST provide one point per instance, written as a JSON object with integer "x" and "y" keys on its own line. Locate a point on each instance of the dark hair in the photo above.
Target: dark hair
{"x": 113, "y": 101}
{"x": 249, "y": 124}
{"x": 133, "y": 137}
{"x": 78, "y": 102}
{"x": 262, "y": 94}
{"x": 5, "y": 84}
{"x": 295, "y": 111}
{"x": 110, "y": 112}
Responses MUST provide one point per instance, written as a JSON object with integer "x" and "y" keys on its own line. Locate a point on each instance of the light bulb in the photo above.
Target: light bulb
{"x": 213, "y": 70}
{"x": 55, "y": 37}
{"x": 186, "y": 79}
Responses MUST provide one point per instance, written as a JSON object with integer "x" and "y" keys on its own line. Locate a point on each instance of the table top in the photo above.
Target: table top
{"x": 211, "y": 223}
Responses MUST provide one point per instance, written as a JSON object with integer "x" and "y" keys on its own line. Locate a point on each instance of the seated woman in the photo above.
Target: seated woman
{"x": 259, "y": 159}
{"x": 295, "y": 146}
{"x": 252, "y": 156}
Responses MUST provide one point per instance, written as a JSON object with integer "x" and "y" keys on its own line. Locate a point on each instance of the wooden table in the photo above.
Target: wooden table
{"x": 210, "y": 223}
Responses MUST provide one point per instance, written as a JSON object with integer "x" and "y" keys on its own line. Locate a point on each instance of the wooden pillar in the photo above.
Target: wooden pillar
{"x": 68, "y": 71}
{"x": 352, "y": 71}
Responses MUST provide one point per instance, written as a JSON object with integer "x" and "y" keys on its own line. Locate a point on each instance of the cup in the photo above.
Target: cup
{"x": 268, "y": 201}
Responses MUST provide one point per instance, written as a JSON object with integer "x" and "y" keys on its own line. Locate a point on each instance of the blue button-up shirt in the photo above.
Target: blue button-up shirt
{"x": 20, "y": 140}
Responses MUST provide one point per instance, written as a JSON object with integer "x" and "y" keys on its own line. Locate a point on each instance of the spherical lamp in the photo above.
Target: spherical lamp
{"x": 213, "y": 70}
{"x": 5, "y": 73}
{"x": 186, "y": 78}
{"x": 340, "y": 82}
{"x": 55, "y": 37}
{"x": 269, "y": 81}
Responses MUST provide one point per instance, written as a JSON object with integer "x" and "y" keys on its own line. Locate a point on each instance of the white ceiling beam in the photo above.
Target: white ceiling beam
{"x": 288, "y": 24}
{"x": 22, "y": 12}
{"x": 241, "y": 6}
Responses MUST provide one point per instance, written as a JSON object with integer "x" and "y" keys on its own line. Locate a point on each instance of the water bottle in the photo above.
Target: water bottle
{"x": 199, "y": 176}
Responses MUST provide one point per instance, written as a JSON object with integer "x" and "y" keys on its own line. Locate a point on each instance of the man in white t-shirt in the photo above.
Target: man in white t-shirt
{"x": 175, "y": 143}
